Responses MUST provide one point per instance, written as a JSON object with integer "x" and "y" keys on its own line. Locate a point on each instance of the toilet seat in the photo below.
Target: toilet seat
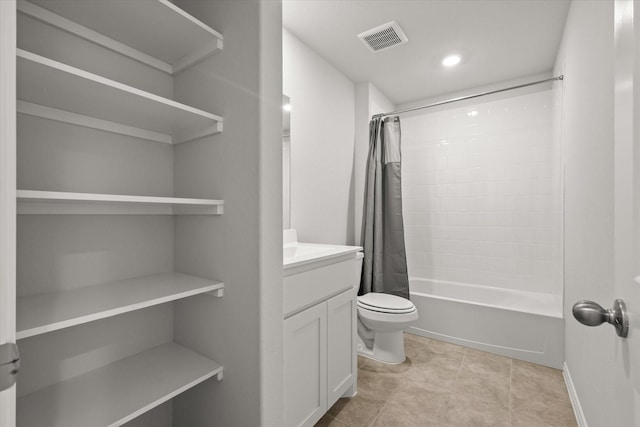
{"x": 385, "y": 303}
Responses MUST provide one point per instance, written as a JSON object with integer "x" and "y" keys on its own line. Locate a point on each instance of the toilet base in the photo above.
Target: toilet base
{"x": 388, "y": 347}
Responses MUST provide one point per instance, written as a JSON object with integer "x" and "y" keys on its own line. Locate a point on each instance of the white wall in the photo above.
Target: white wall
{"x": 586, "y": 59}
{"x": 369, "y": 101}
{"x": 481, "y": 193}
{"x": 322, "y": 145}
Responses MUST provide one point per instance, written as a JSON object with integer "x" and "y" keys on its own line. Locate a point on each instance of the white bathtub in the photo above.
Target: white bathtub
{"x": 522, "y": 325}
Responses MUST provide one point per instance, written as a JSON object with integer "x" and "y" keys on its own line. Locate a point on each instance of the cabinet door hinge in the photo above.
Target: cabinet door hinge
{"x": 9, "y": 365}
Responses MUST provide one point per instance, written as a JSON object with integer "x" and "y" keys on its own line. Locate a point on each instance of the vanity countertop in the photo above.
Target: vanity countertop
{"x": 296, "y": 254}
{"x": 299, "y": 254}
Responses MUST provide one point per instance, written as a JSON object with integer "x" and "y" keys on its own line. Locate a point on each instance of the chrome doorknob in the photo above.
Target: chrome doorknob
{"x": 592, "y": 314}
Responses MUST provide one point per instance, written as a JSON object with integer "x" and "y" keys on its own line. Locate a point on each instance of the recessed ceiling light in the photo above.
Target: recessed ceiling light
{"x": 286, "y": 107}
{"x": 451, "y": 60}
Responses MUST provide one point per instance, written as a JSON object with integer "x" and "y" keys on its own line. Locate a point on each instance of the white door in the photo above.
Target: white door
{"x": 627, "y": 206}
{"x": 605, "y": 368}
{"x": 7, "y": 193}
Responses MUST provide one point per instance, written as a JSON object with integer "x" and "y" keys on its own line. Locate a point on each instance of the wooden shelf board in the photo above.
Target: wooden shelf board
{"x": 157, "y": 32}
{"x": 55, "y": 202}
{"x": 52, "y": 84}
{"x": 119, "y": 392}
{"x": 48, "y": 312}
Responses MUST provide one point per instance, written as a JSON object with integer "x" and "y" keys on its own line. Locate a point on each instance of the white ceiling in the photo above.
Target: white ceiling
{"x": 499, "y": 40}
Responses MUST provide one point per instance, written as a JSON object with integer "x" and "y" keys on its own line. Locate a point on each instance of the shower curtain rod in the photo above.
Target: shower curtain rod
{"x": 462, "y": 98}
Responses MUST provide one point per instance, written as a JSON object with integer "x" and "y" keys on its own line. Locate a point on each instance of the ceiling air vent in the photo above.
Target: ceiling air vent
{"x": 383, "y": 37}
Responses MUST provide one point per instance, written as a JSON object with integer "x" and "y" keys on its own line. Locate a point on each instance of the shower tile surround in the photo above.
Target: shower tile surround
{"x": 445, "y": 385}
{"x": 482, "y": 193}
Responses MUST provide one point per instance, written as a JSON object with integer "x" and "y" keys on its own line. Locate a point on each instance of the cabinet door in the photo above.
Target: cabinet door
{"x": 305, "y": 366}
{"x": 341, "y": 344}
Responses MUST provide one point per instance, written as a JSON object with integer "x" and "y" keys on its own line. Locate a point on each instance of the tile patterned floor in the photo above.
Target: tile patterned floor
{"x": 446, "y": 385}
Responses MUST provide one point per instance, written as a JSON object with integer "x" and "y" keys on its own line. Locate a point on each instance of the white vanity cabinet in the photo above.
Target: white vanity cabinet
{"x": 319, "y": 358}
{"x": 320, "y": 361}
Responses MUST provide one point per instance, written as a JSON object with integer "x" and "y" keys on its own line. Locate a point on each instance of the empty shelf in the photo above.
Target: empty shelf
{"x": 55, "y": 202}
{"x": 48, "y": 312}
{"x": 119, "y": 392}
{"x": 155, "y": 32}
{"x": 70, "y": 94}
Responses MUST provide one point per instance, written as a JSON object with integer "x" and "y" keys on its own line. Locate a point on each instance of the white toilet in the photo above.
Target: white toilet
{"x": 381, "y": 320}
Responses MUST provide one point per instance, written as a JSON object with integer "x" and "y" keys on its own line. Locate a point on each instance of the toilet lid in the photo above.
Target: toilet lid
{"x": 387, "y": 303}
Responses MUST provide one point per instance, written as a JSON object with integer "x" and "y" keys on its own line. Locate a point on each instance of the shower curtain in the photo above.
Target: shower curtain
{"x": 384, "y": 268}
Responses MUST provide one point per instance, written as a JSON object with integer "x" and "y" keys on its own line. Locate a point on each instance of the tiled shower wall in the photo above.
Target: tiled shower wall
{"x": 482, "y": 193}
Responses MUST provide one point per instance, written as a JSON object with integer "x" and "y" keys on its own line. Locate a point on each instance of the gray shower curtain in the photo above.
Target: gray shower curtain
{"x": 384, "y": 268}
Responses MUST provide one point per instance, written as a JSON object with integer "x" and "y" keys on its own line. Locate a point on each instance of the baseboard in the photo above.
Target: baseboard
{"x": 575, "y": 402}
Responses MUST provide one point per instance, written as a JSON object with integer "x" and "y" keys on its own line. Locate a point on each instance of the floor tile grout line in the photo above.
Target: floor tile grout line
{"x": 379, "y": 413}
{"x": 510, "y": 392}
{"x": 343, "y": 422}
{"x": 366, "y": 362}
{"x": 402, "y": 377}
{"x": 464, "y": 356}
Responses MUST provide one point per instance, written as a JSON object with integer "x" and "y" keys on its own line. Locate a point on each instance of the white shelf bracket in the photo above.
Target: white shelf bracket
{"x": 219, "y": 376}
{"x": 219, "y": 293}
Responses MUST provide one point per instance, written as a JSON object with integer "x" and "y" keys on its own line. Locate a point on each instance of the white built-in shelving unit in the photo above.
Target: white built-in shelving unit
{"x": 119, "y": 392}
{"x": 160, "y": 35}
{"x": 42, "y": 313}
